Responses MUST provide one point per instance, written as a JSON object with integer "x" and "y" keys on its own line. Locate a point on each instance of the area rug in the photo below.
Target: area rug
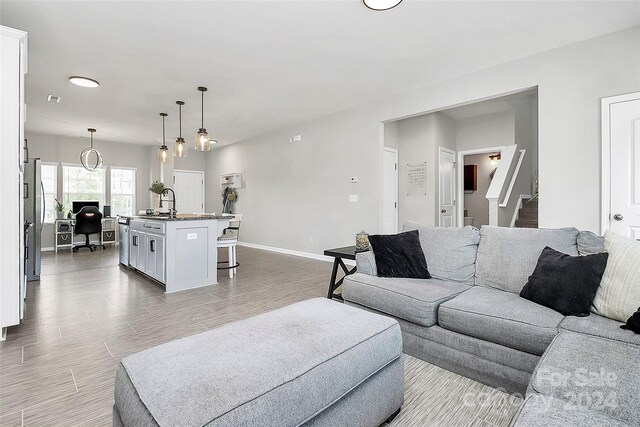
{"x": 436, "y": 397}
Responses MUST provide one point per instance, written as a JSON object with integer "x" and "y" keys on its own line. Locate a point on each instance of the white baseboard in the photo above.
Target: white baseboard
{"x": 294, "y": 253}
{"x": 50, "y": 249}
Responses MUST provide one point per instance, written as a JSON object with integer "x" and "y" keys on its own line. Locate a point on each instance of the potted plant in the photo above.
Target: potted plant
{"x": 59, "y": 209}
{"x": 159, "y": 190}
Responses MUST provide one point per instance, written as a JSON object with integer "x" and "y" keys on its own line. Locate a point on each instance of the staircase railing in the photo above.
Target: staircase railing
{"x": 498, "y": 187}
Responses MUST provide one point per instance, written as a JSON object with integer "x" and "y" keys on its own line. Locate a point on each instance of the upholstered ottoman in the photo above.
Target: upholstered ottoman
{"x": 314, "y": 363}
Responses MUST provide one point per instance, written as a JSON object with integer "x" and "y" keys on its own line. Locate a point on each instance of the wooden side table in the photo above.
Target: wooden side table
{"x": 348, "y": 252}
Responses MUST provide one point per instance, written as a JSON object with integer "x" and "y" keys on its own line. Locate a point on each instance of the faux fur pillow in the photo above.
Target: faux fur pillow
{"x": 618, "y": 296}
{"x": 399, "y": 255}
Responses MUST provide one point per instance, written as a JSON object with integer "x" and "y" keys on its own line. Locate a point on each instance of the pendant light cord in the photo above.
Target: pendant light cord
{"x": 202, "y": 111}
{"x": 179, "y": 105}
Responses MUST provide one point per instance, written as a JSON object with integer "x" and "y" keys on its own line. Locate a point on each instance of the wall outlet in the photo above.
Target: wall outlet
{"x": 192, "y": 236}
{"x": 353, "y": 198}
{"x": 354, "y": 179}
{"x": 310, "y": 239}
{"x": 296, "y": 138}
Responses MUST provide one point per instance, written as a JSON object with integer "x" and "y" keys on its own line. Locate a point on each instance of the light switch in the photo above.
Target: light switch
{"x": 353, "y": 198}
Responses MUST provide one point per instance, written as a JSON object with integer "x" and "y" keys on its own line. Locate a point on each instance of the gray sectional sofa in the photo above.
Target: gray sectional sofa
{"x": 469, "y": 318}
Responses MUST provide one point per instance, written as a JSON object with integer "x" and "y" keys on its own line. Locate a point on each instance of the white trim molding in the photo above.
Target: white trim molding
{"x": 309, "y": 255}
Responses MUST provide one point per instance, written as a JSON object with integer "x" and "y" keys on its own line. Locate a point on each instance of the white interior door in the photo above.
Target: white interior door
{"x": 447, "y": 188}
{"x": 189, "y": 188}
{"x": 624, "y": 140}
{"x": 390, "y": 191}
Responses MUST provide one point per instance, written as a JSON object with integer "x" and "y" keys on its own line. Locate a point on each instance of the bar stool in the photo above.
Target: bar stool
{"x": 229, "y": 240}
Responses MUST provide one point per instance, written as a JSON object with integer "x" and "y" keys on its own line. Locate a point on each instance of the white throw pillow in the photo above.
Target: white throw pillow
{"x": 618, "y": 296}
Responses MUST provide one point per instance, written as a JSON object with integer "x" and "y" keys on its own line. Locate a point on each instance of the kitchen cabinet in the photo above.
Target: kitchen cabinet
{"x": 179, "y": 253}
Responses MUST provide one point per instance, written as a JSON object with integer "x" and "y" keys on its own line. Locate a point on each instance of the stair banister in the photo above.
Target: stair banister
{"x": 498, "y": 187}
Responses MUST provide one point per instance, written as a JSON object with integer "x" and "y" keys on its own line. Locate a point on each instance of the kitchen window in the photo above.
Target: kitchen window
{"x": 123, "y": 191}
{"x": 49, "y": 177}
{"x": 81, "y": 184}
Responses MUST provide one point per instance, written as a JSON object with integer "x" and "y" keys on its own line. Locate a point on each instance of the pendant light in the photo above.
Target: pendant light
{"x": 381, "y": 4}
{"x": 87, "y": 152}
{"x": 180, "y": 146}
{"x": 163, "y": 152}
{"x": 202, "y": 137}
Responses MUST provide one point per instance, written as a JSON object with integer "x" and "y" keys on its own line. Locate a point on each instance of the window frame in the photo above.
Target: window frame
{"x": 77, "y": 165}
{"x": 133, "y": 195}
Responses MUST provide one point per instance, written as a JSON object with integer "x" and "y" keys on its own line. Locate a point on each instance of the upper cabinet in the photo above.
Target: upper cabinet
{"x": 13, "y": 67}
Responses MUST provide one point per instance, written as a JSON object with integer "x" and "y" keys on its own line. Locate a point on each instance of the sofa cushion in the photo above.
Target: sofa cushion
{"x": 502, "y": 318}
{"x": 618, "y": 296}
{"x": 565, "y": 283}
{"x": 590, "y": 243}
{"x": 278, "y": 368}
{"x": 599, "y": 326}
{"x": 414, "y": 300}
{"x": 366, "y": 263}
{"x": 597, "y": 372}
{"x": 508, "y": 256}
{"x": 450, "y": 252}
{"x": 399, "y": 255}
{"x": 546, "y": 411}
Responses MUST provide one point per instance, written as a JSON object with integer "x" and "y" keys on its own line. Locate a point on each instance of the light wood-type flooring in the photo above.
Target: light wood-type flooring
{"x": 58, "y": 367}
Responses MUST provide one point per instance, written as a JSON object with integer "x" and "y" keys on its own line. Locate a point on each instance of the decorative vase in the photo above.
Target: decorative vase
{"x": 362, "y": 242}
{"x": 60, "y": 214}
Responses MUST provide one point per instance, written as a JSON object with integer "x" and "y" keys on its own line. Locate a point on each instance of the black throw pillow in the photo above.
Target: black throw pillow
{"x": 399, "y": 255}
{"x": 633, "y": 324}
{"x": 565, "y": 283}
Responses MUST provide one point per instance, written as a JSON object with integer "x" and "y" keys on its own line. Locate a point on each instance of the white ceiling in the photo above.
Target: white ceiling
{"x": 268, "y": 64}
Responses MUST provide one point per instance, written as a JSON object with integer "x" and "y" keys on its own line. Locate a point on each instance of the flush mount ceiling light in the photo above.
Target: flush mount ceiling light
{"x": 495, "y": 158}
{"x": 163, "y": 152}
{"x": 180, "y": 146}
{"x": 381, "y": 4}
{"x": 202, "y": 137}
{"x": 83, "y": 81}
{"x": 85, "y": 157}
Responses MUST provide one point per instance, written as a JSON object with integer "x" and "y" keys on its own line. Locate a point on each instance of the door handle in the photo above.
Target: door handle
{"x": 618, "y": 217}
{"x": 443, "y": 211}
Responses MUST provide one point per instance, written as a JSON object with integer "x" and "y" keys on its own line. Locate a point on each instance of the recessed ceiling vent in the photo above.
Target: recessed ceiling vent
{"x": 54, "y": 98}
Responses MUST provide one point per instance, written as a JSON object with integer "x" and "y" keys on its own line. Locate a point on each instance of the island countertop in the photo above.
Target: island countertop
{"x": 181, "y": 217}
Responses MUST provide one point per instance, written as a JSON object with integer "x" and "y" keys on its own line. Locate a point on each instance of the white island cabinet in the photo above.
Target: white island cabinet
{"x": 179, "y": 253}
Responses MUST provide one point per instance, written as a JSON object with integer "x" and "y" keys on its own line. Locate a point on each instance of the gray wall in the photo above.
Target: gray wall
{"x": 489, "y": 130}
{"x": 296, "y": 193}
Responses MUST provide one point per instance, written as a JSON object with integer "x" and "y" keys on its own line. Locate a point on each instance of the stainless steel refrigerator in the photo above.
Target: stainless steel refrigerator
{"x": 33, "y": 216}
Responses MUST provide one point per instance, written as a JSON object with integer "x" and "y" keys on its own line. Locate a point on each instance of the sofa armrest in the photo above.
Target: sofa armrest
{"x": 366, "y": 263}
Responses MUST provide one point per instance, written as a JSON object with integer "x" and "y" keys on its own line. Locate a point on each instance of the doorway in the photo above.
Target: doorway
{"x": 189, "y": 188}
{"x": 474, "y": 175}
{"x": 620, "y": 168}
{"x": 390, "y": 191}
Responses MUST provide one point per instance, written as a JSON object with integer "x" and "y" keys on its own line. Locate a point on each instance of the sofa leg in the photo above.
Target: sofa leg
{"x": 394, "y": 415}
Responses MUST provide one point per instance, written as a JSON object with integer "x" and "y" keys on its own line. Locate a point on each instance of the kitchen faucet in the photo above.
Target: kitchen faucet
{"x": 172, "y": 212}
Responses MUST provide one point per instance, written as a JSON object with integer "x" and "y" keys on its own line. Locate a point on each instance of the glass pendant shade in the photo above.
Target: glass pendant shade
{"x": 202, "y": 137}
{"x": 180, "y": 146}
{"x": 202, "y": 140}
{"x": 163, "y": 152}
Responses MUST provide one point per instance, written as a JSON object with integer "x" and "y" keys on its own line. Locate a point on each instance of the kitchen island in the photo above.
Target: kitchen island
{"x": 179, "y": 252}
